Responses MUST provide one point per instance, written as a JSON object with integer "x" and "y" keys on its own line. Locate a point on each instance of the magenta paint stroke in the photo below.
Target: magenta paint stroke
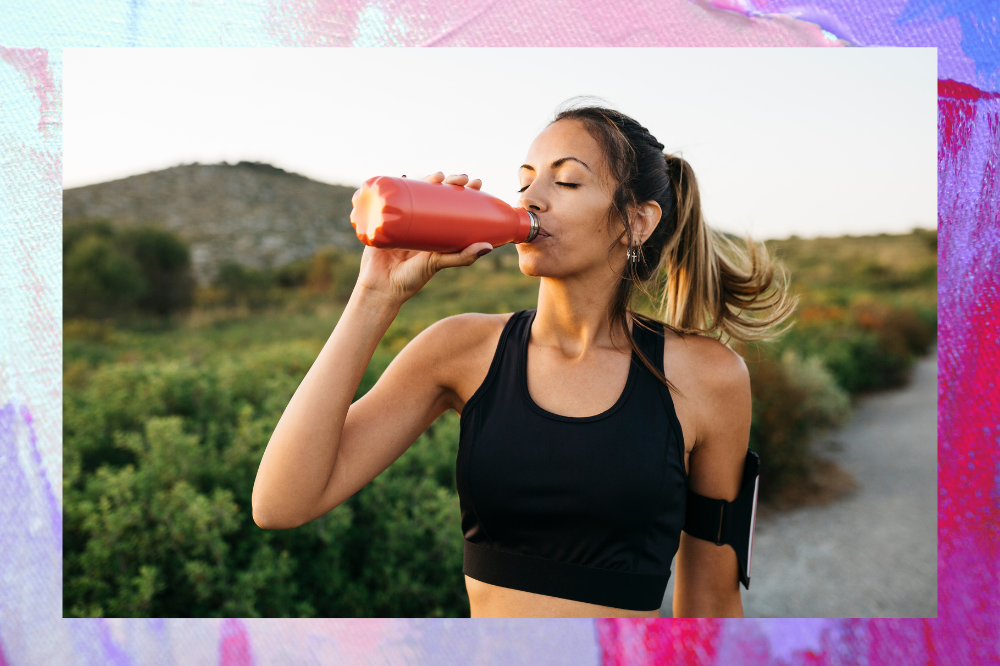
{"x": 969, "y": 373}
{"x": 557, "y": 23}
{"x": 234, "y": 644}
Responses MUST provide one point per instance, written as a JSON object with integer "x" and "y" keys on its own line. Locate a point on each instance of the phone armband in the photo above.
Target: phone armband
{"x": 731, "y": 523}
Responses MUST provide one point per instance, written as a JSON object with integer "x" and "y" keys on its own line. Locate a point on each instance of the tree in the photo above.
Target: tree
{"x": 99, "y": 280}
{"x": 166, "y": 265}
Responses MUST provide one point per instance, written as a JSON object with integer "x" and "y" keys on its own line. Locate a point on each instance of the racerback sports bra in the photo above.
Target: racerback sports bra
{"x": 584, "y": 508}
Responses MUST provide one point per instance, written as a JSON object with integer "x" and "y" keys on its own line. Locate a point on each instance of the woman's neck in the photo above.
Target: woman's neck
{"x": 573, "y": 315}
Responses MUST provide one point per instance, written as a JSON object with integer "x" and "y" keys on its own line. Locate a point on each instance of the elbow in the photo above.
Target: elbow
{"x": 261, "y": 517}
{"x": 266, "y": 518}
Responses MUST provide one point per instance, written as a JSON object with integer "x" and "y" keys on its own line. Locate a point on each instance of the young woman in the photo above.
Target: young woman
{"x": 582, "y": 422}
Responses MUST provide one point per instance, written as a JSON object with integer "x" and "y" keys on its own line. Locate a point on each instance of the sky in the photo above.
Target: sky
{"x": 805, "y": 141}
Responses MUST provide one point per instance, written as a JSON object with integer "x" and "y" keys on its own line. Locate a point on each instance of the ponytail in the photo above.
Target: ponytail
{"x": 712, "y": 284}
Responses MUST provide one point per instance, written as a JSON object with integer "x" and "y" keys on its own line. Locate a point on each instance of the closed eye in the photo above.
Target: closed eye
{"x": 572, "y": 185}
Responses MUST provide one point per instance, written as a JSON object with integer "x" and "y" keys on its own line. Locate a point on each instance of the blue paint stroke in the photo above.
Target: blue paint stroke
{"x": 979, "y": 20}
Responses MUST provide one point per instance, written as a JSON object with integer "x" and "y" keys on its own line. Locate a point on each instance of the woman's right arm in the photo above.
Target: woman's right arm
{"x": 324, "y": 449}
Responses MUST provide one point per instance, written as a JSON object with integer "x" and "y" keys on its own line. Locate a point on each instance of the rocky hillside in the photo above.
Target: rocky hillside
{"x": 251, "y": 213}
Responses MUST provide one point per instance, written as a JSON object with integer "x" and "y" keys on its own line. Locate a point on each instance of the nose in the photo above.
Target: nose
{"x": 530, "y": 199}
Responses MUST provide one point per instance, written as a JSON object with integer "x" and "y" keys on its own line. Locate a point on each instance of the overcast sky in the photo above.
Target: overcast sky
{"x": 784, "y": 141}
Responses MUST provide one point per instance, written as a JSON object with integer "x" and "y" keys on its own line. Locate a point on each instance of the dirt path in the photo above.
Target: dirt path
{"x": 874, "y": 552}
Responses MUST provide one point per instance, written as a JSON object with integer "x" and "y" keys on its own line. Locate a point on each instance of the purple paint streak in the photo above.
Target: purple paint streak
{"x": 113, "y": 655}
{"x": 55, "y": 514}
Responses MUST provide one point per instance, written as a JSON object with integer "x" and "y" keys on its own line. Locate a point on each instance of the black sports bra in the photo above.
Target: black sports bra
{"x": 584, "y": 508}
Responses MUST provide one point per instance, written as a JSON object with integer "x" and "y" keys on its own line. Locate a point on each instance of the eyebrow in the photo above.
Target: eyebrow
{"x": 556, "y": 164}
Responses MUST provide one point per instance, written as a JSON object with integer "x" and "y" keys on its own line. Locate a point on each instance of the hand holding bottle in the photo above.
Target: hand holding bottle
{"x": 397, "y": 274}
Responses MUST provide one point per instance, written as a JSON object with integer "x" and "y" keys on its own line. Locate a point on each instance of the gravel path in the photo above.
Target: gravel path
{"x": 874, "y": 552}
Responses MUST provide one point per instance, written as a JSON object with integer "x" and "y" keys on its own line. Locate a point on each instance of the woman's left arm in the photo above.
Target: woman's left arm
{"x": 706, "y": 580}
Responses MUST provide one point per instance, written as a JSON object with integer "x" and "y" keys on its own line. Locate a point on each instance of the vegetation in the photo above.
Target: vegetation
{"x": 111, "y": 273}
{"x": 165, "y": 421}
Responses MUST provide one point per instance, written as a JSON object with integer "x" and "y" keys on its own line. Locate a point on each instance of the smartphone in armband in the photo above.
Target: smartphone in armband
{"x": 731, "y": 523}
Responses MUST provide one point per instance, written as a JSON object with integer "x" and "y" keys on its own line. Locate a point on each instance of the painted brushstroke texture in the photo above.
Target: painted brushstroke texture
{"x": 31, "y": 540}
{"x": 557, "y": 23}
{"x": 969, "y": 384}
{"x": 966, "y": 32}
{"x": 31, "y": 246}
{"x": 33, "y": 31}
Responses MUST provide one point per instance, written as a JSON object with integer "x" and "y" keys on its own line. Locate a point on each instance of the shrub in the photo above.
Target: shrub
{"x": 242, "y": 285}
{"x": 109, "y": 273}
{"x": 160, "y": 461}
{"x": 825, "y": 404}
{"x": 99, "y": 280}
{"x": 166, "y": 266}
{"x": 779, "y": 426}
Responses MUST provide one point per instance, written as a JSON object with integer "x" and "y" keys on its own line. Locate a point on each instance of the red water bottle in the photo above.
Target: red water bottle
{"x": 418, "y": 215}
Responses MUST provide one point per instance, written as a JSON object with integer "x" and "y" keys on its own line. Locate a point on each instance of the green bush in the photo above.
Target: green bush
{"x": 779, "y": 426}
{"x": 793, "y": 397}
{"x": 160, "y": 461}
{"x": 99, "y": 280}
{"x": 166, "y": 266}
{"x": 246, "y": 286}
{"x": 110, "y": 273}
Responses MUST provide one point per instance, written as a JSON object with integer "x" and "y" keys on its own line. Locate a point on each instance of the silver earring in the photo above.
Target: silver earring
{"x": 633, "y": 254}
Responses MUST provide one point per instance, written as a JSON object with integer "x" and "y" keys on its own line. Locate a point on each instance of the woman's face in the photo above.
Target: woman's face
{"x": 565, "y": 183}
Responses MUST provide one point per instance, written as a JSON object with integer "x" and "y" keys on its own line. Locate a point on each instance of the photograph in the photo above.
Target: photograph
{"x": 500, "y": 332}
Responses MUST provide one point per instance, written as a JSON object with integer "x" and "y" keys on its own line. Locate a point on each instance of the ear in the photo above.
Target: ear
{"x": 644, "y": 220}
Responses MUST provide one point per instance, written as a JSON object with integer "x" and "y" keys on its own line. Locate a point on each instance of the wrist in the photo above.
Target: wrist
{"x": 374, "y": 302}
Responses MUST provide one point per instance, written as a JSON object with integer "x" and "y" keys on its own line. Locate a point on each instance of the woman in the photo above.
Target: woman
{"x": 573, "y": 455}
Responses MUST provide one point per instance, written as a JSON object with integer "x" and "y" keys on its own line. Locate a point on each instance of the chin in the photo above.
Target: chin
{"x": 530, "y": 263}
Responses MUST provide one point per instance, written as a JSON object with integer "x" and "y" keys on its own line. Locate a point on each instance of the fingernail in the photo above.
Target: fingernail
{"x": 482, "y": 252}
{"x": 466, "y": 175}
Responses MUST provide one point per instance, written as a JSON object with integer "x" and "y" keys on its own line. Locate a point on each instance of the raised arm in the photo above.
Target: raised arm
{"x": 707, "y": 576}
{"x": 324, "y": 449}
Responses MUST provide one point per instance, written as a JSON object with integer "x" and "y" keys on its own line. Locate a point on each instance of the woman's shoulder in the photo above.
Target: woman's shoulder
{"x": 712, "y": 376}
{"x": 469, "y": 329}
{"x": 462, "y": 347}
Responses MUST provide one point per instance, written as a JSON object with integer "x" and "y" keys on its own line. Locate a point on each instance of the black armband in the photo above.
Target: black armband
{"x": 723, "y": 522}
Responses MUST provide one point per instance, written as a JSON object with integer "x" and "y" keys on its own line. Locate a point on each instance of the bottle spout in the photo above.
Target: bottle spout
{"x": 529, "y": 226}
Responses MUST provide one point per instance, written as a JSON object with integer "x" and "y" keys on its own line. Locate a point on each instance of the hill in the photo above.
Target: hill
{"x": 251, "y": 213}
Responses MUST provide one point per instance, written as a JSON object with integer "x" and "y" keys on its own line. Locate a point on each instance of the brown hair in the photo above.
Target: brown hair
{"x": 707, "y": 284}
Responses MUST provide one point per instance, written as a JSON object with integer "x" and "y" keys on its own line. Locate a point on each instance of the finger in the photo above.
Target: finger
{"x": 436, "y": 177}
{"x": 475, "y": 184}
{"x": 466, "y": 257}
{"x": 457, "y": 179}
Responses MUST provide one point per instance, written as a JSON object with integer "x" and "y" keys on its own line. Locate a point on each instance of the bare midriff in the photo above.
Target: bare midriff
{"x": 486, "y": 600}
